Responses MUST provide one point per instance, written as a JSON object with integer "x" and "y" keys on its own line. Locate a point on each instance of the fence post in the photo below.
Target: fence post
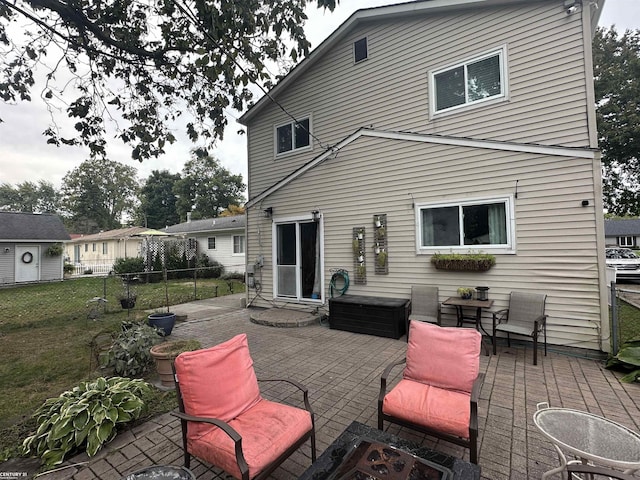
{"x": 614, "y": 319}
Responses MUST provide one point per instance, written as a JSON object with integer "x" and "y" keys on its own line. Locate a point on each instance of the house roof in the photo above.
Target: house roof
{"x": 618, "y": 228}
{"x": 16, "y": 226}
{"x": 571, "y": 152}
{"x": 408, "y": 9}
{"x": 208, "y": 225}
{"x": 110, "y": 234}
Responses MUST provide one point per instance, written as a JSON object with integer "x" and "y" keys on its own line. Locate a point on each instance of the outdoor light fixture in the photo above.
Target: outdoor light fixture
{"x": 571, "y": 6}
{"x": 268, "y": 212}
{"x": 315, "y": 215}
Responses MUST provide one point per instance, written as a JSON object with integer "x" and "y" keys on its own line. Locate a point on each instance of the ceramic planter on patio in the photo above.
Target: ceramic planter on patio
{"x": 165, "y": 353}
{"x": 163, "y": 321}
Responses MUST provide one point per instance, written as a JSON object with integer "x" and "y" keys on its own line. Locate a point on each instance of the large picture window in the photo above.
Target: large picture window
{"x": 483, "y": 224}
{"x": 293, "y": 136}
{"x": 475, "y": 81}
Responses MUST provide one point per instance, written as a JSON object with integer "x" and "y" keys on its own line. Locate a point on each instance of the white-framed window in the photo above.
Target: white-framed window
{"x": 360, "y": 50}
{"x": 292, "y": 136}
{"x": 105, "y": 249}
{"x": 625, "y": 241}
{"x": 93, "y": 247}
{"x": 211, "y": 243}
{"x": 485, "y": 224}
{"x": 474, "y": 81}
{"x": 238, "y": 244}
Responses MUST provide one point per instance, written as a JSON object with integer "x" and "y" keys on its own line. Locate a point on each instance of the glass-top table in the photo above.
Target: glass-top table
{"x": 589, "y": 437}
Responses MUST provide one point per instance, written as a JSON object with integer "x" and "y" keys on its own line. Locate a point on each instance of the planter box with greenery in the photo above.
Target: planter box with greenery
{"x": 461, "y": 262}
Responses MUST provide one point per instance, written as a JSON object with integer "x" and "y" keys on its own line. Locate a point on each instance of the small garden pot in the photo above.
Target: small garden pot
{"x": 163, "y": 321}
{"x": 128, "y": 303}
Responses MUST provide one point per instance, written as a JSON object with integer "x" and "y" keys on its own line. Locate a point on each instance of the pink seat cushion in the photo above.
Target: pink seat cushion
{"x": 217, "y": 382}
{"x": 443, "y": 410}
{"x": 267, "y": 430}
{"x": 445, "y": 357}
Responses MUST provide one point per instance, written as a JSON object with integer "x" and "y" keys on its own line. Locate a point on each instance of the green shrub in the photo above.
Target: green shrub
{"x": 208, "y": 268}
{"x": 129, "y": 354}
{"x": 128, "y": 265}
{"x": 627, "y": 359}
{"x": 68, "y": 268}
{"x": 85, "y": 417}
{"x": 238, "y": 276}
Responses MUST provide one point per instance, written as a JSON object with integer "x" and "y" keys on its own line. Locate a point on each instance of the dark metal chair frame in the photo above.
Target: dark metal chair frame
{"x": 580, "y": 468}
{"x": 235, "y": 436}
{"x": 471, "y": 443}
{"x": 539, "y": 325}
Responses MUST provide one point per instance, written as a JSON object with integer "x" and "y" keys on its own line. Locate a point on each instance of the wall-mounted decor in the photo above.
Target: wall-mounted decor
{"x": 380, "y": 248}
{"x": 359, "y": 257}
{"x": 463, "y": 262}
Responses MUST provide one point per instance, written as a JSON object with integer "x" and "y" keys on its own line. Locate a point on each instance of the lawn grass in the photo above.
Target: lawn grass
{"x": 628, "y": 321}
{"x": 48, "y": 342}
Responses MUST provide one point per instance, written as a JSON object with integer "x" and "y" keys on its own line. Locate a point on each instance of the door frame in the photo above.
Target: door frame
{"x": 304, "y": 218}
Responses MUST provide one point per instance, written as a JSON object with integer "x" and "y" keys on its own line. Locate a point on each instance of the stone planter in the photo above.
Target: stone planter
{"x": 163, "y": 321}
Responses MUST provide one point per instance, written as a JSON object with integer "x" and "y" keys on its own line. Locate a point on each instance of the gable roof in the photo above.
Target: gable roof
{"x": 17, "y": 226}
{"x": 618, "y": 228}
{"x": 110, "y": 234}
{"x": 235, "y": 222}
{"x": 571, "y": 152}
{"x": 408, "y": 9}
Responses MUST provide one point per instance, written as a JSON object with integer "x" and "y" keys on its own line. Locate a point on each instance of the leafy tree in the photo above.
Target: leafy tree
{"x": 617, "y": 88}
{"x": 41, "y": 197}
{"x": 206, "y": 188}
{"x": 143, "y": 63}
{"x": 157, "y": 200}
{"x": 98, "y": 193}
{"x": 232, "y": 210}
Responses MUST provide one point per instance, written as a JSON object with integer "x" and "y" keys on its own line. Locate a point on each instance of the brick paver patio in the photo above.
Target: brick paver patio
{"x": 342, "y": 372}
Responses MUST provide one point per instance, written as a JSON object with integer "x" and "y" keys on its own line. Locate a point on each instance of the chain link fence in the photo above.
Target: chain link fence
{"x": 624, "y": 301}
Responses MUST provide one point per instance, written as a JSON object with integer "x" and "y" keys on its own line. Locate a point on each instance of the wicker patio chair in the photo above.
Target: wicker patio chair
{"x": 440, "y": 386}
{"x": 226, "y": 422}
{"x": 425, "y": 306}
{"x": 525, "y": 316}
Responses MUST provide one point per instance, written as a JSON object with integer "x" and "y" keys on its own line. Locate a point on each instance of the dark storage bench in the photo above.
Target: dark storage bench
{"x": 384, "y": 317}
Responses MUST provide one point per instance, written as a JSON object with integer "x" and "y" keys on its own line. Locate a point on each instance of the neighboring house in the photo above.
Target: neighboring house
{"x": 99, "y": 251}
{"x": 622, "y": 233}
{"x": 221, "y": 239}
{"x": 25, "y": 242}
{"x": 470, "y": 124}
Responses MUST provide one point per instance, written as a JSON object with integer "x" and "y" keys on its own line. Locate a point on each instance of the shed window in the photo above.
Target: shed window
{"x": 625, "y": 241}
{"x": 360, "y": 50}
{"x": 475, "y": 81}
{"x": 293, "y": 136}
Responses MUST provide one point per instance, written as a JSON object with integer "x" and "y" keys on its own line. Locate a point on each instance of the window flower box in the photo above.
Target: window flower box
{"x": 460, "y": 262}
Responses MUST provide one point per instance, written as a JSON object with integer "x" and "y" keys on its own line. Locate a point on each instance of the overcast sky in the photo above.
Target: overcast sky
{"x": 25, "y": 156}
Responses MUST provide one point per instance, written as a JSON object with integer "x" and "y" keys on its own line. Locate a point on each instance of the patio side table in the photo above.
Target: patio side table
{"x": 589, "y": 437}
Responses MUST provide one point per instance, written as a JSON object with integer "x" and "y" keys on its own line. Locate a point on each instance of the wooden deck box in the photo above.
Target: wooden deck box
{"x": 383, "y": 317}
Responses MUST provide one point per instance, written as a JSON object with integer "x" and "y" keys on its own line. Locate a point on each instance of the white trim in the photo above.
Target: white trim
{"x": 504, "y": 82}
{"x": 293, "y": 150}
{"x": 569, "y": 152}
{"x": 509, "y": 248}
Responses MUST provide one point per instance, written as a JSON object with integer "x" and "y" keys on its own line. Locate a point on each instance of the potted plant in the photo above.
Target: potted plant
{"x": 465, "y": 292}
{"x": 128, "y": 296}
{"x": 165, "y": 353}
{"x": 382, "y": 258}
{"x": 165, "y": 321}
{"x": 472, "y": 262}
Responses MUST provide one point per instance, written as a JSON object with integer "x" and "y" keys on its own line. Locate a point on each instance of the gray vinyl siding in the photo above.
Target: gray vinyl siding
{"x": 547, "y": 97}
{"x": 556, "y": 250}
{"x": 7, "y": 263}
{"x": 50, "y": 267}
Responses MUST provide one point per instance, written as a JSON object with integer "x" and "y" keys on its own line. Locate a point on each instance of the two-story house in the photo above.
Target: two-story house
{"x": 462, "y": 126}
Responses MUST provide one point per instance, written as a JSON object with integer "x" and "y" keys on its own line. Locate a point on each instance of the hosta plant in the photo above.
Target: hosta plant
{"x": 85, "y": 417}
{"x": 628, "y": 359}
{"x": 129, "y": 354}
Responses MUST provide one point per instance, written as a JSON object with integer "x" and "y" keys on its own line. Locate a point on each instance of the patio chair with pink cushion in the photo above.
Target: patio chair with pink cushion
{"x": 439, "y": 389}
{"x": 225, "y": 420}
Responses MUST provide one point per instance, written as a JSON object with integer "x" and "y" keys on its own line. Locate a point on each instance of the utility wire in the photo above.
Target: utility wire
{"x": 196, "y": 22}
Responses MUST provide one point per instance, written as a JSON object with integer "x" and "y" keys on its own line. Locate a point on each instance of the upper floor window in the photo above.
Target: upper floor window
{"x": 211, "y": 243}
{"x": 471, "y": 82}
{"x": 474, "y": 224}
{"x": 238, "y": 244}
{"x": 293, "y": 136}
{"x": 360, "y": 50}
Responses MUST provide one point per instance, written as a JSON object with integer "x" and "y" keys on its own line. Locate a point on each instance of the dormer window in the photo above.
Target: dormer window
{"x": 478, "y": 80}
{"x": 360, "y": 50}
{"x": 293, "y": 136}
